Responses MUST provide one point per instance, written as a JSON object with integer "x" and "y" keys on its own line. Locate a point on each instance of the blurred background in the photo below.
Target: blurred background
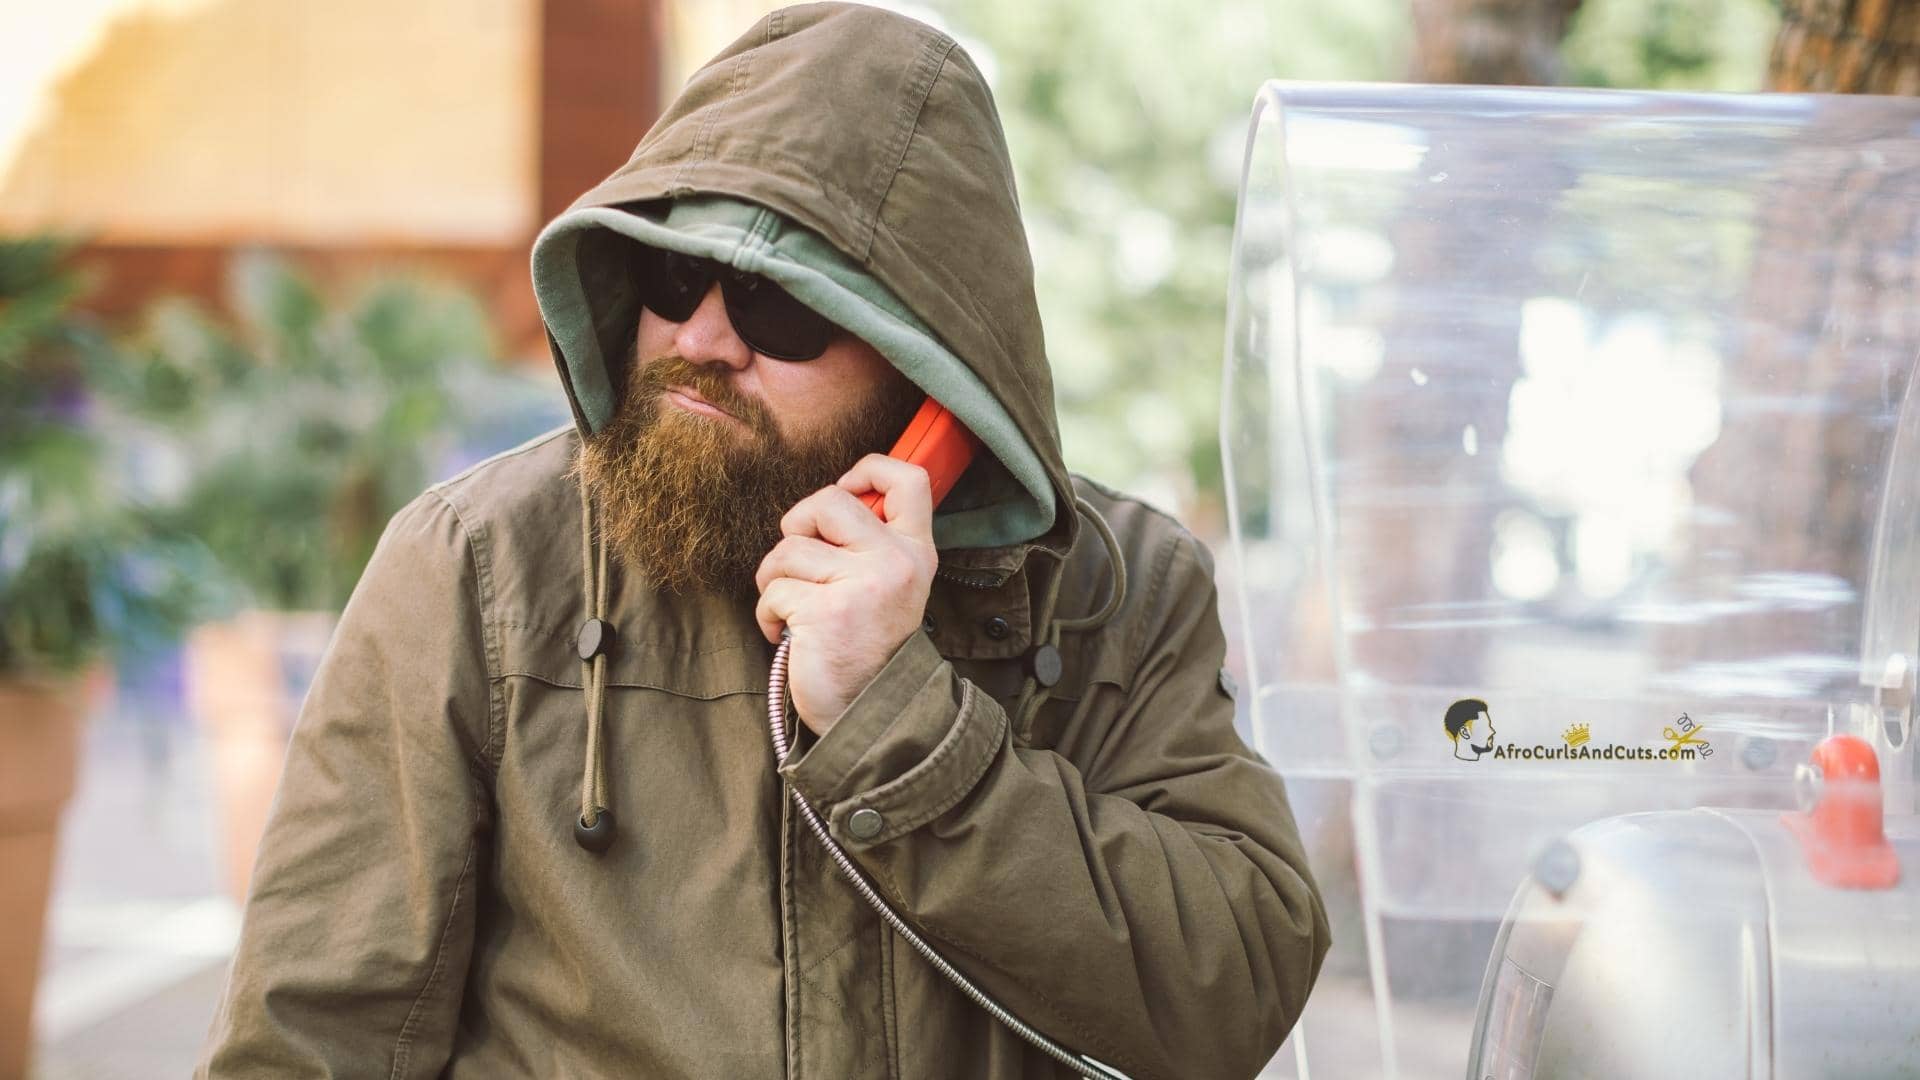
{"x": 263, "y": 277}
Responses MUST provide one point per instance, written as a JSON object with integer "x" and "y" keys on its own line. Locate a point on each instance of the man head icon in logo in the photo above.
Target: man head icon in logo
{"x": 1470, "y": 727}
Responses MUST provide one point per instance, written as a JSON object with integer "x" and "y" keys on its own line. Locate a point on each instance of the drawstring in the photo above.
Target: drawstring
{"x": 593, "y": 829}
{"x": 1033, "y": 690}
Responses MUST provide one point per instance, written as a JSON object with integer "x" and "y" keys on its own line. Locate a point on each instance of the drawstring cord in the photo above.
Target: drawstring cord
{"x": 1033, "y": 691}
{"x": 593, "y": 830}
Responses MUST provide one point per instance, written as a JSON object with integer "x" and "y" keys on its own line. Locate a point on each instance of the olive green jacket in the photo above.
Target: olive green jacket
{"x": 1103, "y": 855}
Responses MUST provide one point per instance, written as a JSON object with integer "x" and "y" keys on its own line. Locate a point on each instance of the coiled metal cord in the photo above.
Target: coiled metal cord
{"x": 777, "y": 721}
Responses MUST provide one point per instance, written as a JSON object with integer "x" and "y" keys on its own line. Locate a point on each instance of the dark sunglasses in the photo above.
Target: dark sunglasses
{"x": 766, "y": 316}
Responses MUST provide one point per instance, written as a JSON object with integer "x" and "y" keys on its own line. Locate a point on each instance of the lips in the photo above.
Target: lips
{"x": 690, "y": 395}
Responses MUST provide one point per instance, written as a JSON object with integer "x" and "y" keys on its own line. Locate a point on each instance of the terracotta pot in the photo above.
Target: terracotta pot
{"x": 245, "y": 680}
{"x": 40, "y": 727}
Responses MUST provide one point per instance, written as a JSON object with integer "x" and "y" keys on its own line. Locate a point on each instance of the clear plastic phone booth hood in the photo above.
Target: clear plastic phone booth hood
{"x": 1573, "y": 450}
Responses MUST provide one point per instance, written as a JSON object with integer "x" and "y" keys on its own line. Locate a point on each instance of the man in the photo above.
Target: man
{"x": 531, "y": 824}
{"x": 1465, "y": 719}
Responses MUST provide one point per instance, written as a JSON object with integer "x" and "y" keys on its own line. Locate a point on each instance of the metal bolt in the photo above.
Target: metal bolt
{"x": 1557, "y": 868}
{"x": 1759, "y": 753}
{"x": 1385, "y": 741}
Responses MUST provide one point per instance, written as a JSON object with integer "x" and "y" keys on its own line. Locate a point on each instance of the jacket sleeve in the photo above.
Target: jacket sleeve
{"x": 358, "y": 928}
{"x": 1148, "y": 904}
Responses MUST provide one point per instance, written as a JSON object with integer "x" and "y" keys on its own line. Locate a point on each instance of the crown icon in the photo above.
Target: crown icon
{"x": 1576, "y": 735}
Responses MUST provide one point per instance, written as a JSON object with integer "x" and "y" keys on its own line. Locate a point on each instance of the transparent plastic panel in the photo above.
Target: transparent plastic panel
{"x": 1573, "y": 473}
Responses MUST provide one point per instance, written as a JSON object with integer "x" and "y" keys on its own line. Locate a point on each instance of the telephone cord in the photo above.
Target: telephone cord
{"x": 777, "y": 721}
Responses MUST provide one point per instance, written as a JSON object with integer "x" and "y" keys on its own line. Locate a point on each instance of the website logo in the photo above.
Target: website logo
{"x": 1470, "y": 727}
{"x": 1470, "y": 733}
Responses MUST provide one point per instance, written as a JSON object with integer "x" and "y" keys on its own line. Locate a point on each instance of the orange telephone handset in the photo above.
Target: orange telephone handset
{"x": 937, "y": 442}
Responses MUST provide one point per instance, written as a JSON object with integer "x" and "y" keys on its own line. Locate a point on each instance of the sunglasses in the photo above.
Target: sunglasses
{"x": 766, "y": 316}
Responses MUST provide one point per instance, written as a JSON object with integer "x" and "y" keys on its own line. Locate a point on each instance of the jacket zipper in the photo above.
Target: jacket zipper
{"x": 789, "y": 985}
{"x": 971, "y": 581}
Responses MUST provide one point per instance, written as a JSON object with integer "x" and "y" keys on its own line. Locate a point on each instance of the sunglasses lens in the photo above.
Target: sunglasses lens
{"x": 765, "y": 315}
{"x": 671, "y": 284}
{"x": 769, "y": 319}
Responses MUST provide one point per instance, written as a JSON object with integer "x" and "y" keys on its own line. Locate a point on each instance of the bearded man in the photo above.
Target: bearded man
{"x": 531, "y": 821}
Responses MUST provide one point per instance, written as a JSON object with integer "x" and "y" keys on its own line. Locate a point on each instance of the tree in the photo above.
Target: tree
{"x": 1827, "y": 305}
{"x": 1490, "y": 42}
{"x": 1847, "y": 47}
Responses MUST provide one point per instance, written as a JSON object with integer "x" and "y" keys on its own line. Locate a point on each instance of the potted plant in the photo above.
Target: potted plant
{"x": 87, "y": 568}
{"x": 311, "y": 423}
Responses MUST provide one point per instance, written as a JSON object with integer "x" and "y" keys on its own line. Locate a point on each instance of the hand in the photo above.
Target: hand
{"x": 849, "y": 586}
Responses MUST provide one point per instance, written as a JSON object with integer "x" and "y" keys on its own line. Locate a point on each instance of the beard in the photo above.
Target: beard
{"x": 694, "y": 502}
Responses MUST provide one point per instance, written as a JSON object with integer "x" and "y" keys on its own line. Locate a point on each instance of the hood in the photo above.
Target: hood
{"x": 854, "y": 156}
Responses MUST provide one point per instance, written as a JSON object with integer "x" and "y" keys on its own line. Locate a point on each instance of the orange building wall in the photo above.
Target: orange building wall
{"x": 357, "y": 135}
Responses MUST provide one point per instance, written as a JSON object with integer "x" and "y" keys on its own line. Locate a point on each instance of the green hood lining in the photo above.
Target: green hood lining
{"x": 589, "y": 308}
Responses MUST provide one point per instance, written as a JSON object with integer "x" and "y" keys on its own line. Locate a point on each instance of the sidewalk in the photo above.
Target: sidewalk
{"x": 138, "y": 934}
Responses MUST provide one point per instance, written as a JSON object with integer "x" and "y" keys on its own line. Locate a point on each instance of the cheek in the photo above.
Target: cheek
{"x": 814, "y": 396}
{"x": 654, "y": 335}
{"x": 820, "y": 391}
{"x": 792, "y": 397}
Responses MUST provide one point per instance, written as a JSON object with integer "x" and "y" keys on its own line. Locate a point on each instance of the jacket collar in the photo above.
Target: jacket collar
{"x": 974, "y": 587}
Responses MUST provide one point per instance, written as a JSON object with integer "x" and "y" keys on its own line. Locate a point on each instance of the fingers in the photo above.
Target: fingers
{"x": 830, "y": 537}
{"x": 804, "y": 557}
{"x": 778, "y": 601}
{"x": 833, "y": 514}
{"x": 908, "y": 491}
{"x": 836, "y": 514}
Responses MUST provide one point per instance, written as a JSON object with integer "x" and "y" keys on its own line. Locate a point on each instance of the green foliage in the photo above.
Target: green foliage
{"x": 1671, "y": 44}
{"x": 311, "y": 422}
{"x": 87, "y": 563}
{"x": 213, "y": 463}
{"x": 1126, "y": 121}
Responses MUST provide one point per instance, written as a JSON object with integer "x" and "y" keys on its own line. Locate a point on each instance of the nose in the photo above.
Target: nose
{"x": 708, "y": 337}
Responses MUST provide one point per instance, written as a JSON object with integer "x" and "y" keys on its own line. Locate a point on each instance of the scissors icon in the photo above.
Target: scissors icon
{"x": 1690, "y": 737}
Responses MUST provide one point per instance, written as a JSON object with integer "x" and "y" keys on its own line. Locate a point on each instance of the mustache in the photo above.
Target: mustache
{"x": 657, "y": 375}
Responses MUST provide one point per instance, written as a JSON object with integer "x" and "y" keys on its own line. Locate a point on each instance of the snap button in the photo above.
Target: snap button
{"x": 865, "y": 823}
{"x": 1043, "y": 663}
{"x": 926, "y": 623}
{"x": 997, "y": 628}
{"x": 595, "y": 638}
